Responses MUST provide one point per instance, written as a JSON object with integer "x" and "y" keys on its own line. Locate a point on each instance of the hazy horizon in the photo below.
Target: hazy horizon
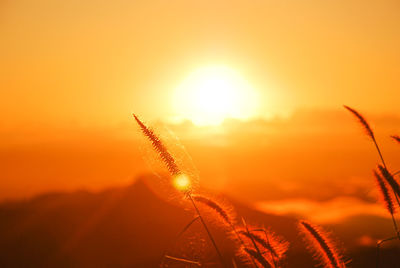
{"x": 322, "y": 147}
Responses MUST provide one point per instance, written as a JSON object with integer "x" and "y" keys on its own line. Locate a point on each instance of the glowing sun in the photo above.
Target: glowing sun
{"x": 211, "y": 94}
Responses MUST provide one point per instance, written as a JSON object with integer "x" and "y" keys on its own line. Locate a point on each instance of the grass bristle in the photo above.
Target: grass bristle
{"x": 363, "y": 122}
{"x": 390, "y": 180}
{"x": 384, "y": 193}
{"x": 159, "y": 147}
{"x": 271, "y": 246}
{"x": 272, "y": 242}
{"x": 396, "y": 138}
{"x": 321, "y": 246}
{"x": 222, "y": 212}
{"x": 259, "y": 258}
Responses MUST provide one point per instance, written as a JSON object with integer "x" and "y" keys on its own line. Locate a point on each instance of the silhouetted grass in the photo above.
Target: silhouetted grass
{"x": 272, "y": 251}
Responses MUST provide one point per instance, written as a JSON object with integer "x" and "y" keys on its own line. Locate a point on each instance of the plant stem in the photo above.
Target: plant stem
{"x": 241, "y": 241}
{"x": 379, "y": 152}
{"x": 378, "y": 246}
{"x": 395, "y": 195}
{"x": 177, "y": 237}
{"x": 272, "y": 255}
{"x": 207, "y": 230}
{"x": 183, "y": 260}
{"x": 266, "y": 263}
{"x": 395, "y": 226}
{"x": 266, "y": 236}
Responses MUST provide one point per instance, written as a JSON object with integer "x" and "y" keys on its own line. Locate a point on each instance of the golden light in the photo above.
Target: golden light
{"x": 181, "y": 182}
{"x": 211, "y": 94}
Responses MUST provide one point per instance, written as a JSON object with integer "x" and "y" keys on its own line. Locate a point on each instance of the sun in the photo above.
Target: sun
{"x": 181, "y": 182}
{"x": 211, "y": 94}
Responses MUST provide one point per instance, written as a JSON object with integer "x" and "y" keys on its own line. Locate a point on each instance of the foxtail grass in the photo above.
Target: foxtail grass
{"x": 367, "y": 129}
{"x": 224, "y": 215}
{"x": 390, "y": 180}
{"x": 386, "y": 198}
{"x": 274, "y": 245}
{"x": 159, "y": 147}
{"x": 384, "y": 192}
{"x": 363, "y": 122}
{"x": 396, "y": 138}
{"x": 257, "y": 256}
{"x": 256, "y": 251}
{"x": 264, "y": 243}
{"x": 175, "y": 171}
{"x": 321, "y": 245}
{"x": 213, "y": 205}
{"x": 384, "y": 172}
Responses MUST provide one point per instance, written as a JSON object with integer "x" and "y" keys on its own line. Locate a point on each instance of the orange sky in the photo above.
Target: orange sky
{"x": 92, "y": 63}
{"x": 73, "y": 72}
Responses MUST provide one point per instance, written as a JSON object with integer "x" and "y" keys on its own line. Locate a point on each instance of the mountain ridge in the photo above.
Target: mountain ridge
{"x": 120, "y": 227}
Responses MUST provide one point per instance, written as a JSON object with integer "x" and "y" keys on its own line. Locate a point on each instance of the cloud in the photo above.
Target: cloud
{"x": 326, "y": 212}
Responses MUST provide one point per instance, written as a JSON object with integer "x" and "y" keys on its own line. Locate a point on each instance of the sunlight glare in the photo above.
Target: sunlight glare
{"x": 211, "y": 94}
{"x": 181, "y": 182}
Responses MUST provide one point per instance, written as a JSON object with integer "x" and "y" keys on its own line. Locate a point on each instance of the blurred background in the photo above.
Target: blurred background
{"x": 253, "y": 90}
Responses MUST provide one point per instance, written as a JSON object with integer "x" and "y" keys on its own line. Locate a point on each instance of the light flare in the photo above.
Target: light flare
{"x": 181, "y": 182}
{"x": 211, "y": 94}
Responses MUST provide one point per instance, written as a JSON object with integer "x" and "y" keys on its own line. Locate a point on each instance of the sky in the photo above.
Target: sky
{"x": 261, "y": 84}
{"x": 93, "y": 63}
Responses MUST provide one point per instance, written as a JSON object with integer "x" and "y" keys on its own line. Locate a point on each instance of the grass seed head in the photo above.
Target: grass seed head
{"x": 384, "y": 193}
{"x": 322, "y": 247}
{"x": 363, "y": 122}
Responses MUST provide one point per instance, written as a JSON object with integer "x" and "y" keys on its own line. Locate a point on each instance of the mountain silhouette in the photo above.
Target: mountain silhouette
{"x": 121, "y": 227}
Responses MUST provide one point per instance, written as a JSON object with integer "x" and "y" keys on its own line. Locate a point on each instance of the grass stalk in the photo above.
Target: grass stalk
{"x": 261, "y": 258}
{"x": 172, "y": 243}
{"x": 322, "y": 245}
{"x": 183, "y": 260}
{"x": 244, "y": 245}
{"x": 378, "y": 247}
{"x": 174, "y": 170}
{"x": 208, "y": 231}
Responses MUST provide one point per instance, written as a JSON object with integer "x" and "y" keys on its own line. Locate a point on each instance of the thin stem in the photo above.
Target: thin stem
{"x": 266, "y": 235}
{"x": 207, "y": 230}
{"x": 254, "y": 243}
{"x": 379, "y": 152}
{"x": 395, "y": 224}
{"x": 378, "y": 246}
{"x": 272, "y": 255}
{"x": 397, "y": 172}
{"x": 241, "y": 241}
{"x": 183, "y": 260}
{"x": 177, "y": 237}
{"x": 397, "y": 198}
{"x": 234, "y": 263}
{"x": 377, "y": 255}
{"x": 384, "y": 165}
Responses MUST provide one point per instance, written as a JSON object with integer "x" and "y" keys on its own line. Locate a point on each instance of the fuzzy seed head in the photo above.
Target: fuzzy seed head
{"x": 213, "y": 205}
{"x": 363, "y": 122}
{"x": 273, "y": 247}
{"x": 321, "y": 245}
{"x": 390, "y": 180}
{"x": 260, "y": 259}
{"x": 396, "y": 138}
{"x": 384, "y": 193}
{"x": 159, "y": 147}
